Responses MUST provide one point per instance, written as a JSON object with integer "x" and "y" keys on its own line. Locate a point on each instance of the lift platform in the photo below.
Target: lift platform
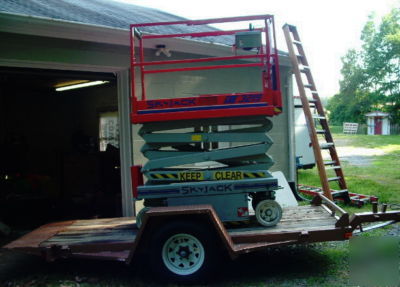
{"x": 254, "y": 47}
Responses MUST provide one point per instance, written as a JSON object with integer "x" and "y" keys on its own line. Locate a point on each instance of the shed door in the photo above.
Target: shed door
{"x": 378, "y": 126}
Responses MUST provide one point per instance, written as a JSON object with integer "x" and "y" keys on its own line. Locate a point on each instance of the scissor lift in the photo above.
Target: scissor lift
{"x": 187, "y": 162}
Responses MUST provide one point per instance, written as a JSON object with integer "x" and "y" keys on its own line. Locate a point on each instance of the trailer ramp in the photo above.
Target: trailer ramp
{"x": 109, "y": 239}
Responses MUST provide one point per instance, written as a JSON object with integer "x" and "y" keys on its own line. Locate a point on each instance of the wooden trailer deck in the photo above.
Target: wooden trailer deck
{"x": 117, "y": 238}
{"x": 109, "y": 238}
{"x": 117, "y": 235}
{"x": 294, "y": 219}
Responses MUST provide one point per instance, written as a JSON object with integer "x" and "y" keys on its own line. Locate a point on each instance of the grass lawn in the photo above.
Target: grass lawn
{"x": 380, "y": 176}
{"x": 322, "y": 264}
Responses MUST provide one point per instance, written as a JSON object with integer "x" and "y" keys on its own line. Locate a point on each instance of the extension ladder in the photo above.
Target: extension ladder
{"x": 310, "y": 99}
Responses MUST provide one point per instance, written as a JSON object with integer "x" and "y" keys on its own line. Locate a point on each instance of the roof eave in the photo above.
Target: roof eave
{"x": 48, "y": 27}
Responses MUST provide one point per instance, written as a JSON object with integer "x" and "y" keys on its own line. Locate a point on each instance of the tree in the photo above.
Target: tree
{"x": 371, "y": 75}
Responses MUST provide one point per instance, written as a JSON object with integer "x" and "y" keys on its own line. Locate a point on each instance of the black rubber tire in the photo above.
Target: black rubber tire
{"x": 256, "y": 198}
{"x": 212, "y": 252}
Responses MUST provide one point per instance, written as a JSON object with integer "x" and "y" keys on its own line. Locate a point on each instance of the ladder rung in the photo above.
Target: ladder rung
{"x": 312, "y": 100}
{"x": 318, "y": 117}
{"x": 309, "y": 86}
{"x": 329, "y": 162}
{"x": 326, "y": 145}
{"x": 297, "y": 42}
{"x": 334, "y": 167}
{"x": 300, "y": 106}
{"x": 305, "y": 69}
{"x": 314, "y": 189}
{"x": 320, "y": 132}
{"x": 334, "y": 178}
{"x": 339, "y": 192}
{"x": 300, "y": 59}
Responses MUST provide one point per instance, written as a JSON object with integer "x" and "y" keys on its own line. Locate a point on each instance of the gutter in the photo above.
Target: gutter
{"x": 70, "y": 30}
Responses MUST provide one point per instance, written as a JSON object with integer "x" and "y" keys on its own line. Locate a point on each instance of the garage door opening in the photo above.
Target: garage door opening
{"x": 59, "y": 150}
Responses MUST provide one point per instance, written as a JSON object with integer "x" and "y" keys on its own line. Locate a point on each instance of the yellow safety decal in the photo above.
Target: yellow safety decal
{"x": 164, "y": 176}
{"x": 228, "y": 175}
{"x": 196, "y": 138}
{"x": 254, "y": 174}
{"x": 191, "y": 176}
{"x": 159, "y": 176}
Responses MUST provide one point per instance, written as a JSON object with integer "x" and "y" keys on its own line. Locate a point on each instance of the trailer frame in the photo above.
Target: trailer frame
{"x": 326, "y": 222}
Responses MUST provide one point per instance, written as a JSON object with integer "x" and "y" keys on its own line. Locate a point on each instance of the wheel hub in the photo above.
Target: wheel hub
{"x": 268, "y": 212}
{"x": 183, "y": 254}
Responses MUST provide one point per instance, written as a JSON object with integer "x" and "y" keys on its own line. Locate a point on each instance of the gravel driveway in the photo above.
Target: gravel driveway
{"x": 358, "y": 156}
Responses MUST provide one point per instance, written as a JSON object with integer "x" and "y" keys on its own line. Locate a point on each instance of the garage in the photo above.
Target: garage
{"x": 59, "y": 146}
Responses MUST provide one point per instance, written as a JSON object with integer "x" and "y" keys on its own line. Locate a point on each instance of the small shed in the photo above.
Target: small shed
{"x": 378, "y": 123}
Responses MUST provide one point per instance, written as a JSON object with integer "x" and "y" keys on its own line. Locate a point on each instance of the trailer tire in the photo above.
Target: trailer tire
{"x": 184, "y": 252}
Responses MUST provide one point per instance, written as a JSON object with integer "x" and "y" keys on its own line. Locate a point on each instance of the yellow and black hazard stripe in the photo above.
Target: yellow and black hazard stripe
{"x": 254, "y": 174}
{"x": 164, "y": 176}
{"x": 199, "y": 176}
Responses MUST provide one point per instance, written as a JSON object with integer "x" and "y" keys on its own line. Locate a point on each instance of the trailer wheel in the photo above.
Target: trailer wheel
{"x": 268, "y": 212}
{"x": 184, "y": 252}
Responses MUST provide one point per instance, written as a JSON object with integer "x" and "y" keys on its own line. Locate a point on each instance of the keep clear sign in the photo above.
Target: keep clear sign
{"x": 228, "y": 175}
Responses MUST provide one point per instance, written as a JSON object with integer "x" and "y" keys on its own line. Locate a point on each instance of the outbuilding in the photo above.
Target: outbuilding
{"x": 378, "y": 123}
{"x": 68, "y": 154}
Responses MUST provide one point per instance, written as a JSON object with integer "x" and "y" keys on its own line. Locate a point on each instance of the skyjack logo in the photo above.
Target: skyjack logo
{"x": 207, "y": 189}
{"x": 172, "y": 103}
{"x": 238, "y": 99}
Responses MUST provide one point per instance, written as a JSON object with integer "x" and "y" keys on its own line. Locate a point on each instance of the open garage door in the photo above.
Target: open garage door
{"x": 59, "y": 150}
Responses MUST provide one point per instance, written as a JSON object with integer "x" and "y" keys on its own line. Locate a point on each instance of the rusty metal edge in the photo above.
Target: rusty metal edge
{"x": 32, "y": 240}
{"x": 359, "y": 218}
{"x": 204, "y": 209}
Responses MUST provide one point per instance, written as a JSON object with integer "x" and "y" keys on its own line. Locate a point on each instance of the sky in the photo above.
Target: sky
{"x": 327, "y": 28}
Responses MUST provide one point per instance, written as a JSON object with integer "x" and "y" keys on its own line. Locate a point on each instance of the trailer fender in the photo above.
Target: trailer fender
{"x": 159, "y": 216}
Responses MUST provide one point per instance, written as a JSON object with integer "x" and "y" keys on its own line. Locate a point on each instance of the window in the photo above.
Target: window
{"x": 109, "y": 130}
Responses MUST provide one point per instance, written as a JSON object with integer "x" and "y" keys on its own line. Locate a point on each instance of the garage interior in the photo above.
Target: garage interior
{"x": 59, "y": 149}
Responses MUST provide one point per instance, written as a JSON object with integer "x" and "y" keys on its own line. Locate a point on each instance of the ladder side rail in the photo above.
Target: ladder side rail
{"x": 308, "y": 115}
{"x": 325, "y": 126}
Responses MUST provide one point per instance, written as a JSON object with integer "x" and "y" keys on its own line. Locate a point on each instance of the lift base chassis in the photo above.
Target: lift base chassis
{"x": 219, "y": 194}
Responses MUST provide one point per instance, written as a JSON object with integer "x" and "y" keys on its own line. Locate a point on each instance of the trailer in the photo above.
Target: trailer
{"x": 195, "y": 214}
{"x": 186, "y": 243}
